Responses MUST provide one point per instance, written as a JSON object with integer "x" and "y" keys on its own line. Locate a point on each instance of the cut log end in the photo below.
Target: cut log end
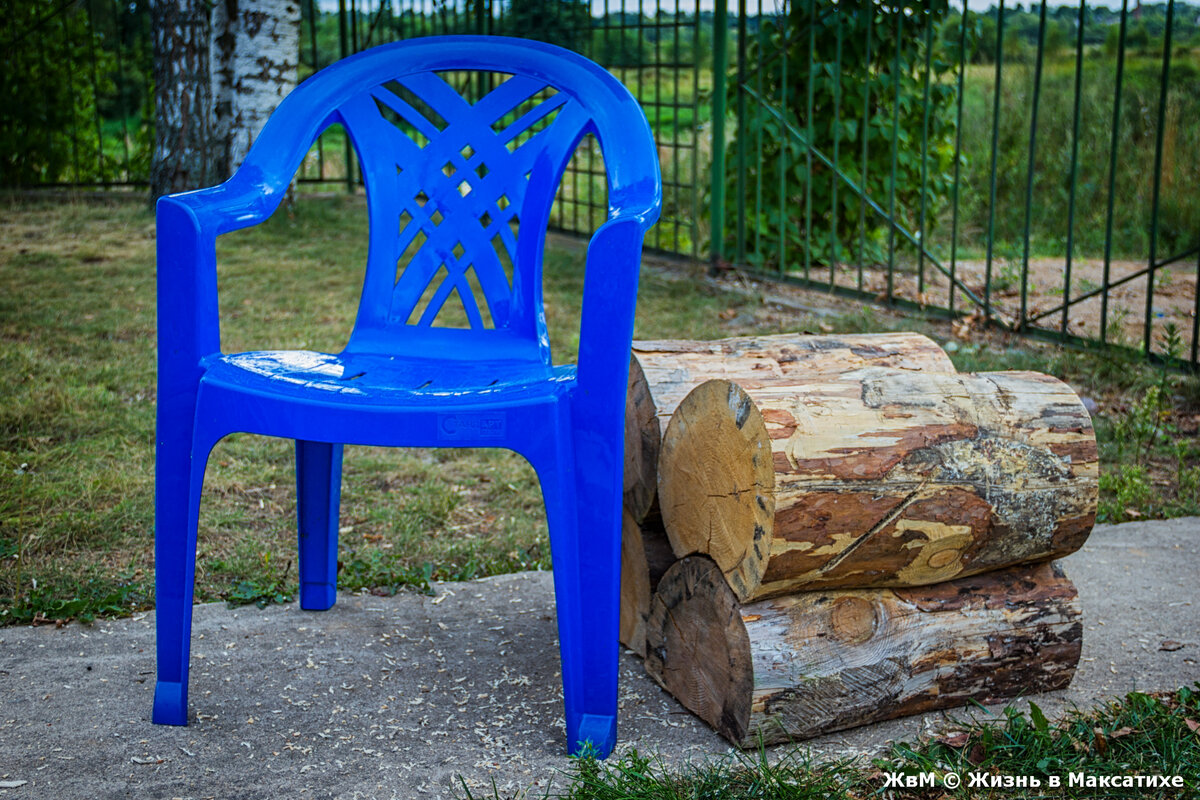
{"x": 720, "y": 498}
{"x": 697, "y": 647}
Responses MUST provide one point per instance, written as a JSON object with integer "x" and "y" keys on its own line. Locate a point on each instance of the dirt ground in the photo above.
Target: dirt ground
{"x": 1174, "y": 295}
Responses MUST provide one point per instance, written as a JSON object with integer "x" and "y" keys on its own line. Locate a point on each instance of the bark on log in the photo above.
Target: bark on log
{"x": 642, "y": 441}
{"x": 661, "y": 373}
{"x": 877, "y": 477}
{"x": 673, "y": 368}
{"x": 645, "y": 557}
{"x": 815, "y": 662}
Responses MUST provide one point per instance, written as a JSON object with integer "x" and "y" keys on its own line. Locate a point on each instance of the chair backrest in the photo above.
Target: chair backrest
{"x": 459, "y": 190}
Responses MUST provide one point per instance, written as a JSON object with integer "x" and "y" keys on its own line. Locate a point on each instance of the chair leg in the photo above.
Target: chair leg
{"x": 318, "y": 495}
{"x": 178, "y": 480}
{"x": 587, "y": 578}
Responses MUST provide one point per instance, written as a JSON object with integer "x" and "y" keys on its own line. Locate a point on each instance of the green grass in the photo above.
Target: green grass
{"x": 1141, "y": 734}
{"x": 77, "y": 320}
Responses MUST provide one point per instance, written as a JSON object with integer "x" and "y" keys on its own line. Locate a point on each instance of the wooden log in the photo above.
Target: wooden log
{"x": 645, "y": 557}
{"x": 877, "y": 477}
{"x": 814, "y": 662}
{"x": 674, "y": 367}
{"x": 661, "y": 373}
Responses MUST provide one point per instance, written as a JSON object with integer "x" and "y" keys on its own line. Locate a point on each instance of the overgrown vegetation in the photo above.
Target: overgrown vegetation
{"x": 1141, "y": 734}
{"x": 77, "y": 321}
{"x": 870, "y": 80}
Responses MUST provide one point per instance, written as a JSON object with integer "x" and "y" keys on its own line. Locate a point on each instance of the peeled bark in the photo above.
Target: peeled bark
{"x": 816, "y": 662}
{"x": 877, "y": 477}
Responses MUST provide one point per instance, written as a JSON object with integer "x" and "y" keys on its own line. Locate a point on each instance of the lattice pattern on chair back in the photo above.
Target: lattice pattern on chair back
{"x": 451, "y": 178}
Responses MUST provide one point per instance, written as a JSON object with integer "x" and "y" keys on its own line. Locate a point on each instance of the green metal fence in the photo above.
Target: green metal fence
{"x": 651, "y": 45}
{"x": 1028, "y": 167}
{"x": 1033, "y": 169}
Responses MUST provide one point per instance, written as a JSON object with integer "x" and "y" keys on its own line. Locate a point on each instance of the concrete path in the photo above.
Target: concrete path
{"x": 416, "y": 696}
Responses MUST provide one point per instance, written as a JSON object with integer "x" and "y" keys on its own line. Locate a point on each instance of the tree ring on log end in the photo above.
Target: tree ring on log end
{"x": 697, "y": 646}
{"x": 854, "y": 620}
{"x": 716, "y": 482}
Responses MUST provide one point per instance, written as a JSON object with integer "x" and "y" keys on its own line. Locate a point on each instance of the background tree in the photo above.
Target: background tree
{"x": 254, "y": 56}
{"x": 567, "y": 23}
{"x": 185, "y": 150}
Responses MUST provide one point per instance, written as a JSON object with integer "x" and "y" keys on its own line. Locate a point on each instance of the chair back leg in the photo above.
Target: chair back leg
{"x": 318, "y": 498}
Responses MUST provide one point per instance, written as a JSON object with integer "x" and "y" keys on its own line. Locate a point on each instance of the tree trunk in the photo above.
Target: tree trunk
{"x": 255, "y": 50}
{"x": 877, "y": 477}
{"x": 815, "y": 662}
{"x": 663, "y": 372}
{"x": 184, "y": 156}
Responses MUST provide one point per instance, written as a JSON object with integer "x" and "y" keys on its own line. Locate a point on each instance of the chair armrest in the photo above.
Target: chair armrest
{"x": 606, "y": 324}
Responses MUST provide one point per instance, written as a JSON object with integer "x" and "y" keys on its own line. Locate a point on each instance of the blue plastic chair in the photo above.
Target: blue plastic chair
{"x": 454, "y": 189}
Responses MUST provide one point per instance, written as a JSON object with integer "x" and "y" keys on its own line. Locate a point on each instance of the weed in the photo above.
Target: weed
{"x": 1141, "y": 734}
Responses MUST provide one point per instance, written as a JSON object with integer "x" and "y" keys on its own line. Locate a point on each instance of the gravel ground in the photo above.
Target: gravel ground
{"x": 420, "y": 696}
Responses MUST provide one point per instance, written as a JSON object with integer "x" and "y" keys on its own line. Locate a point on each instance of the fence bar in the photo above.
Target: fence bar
{"x": 343, "y": 50}
{"x": 720, "y": 26}
{"x": 962, "y": 69}
{"x": 741, "y": 130}
{"x": 808, "y": 122}
{"x": 991, "y": 237}
{"x": 924, "y": 150}
{"x": 835, "y": 210}
{"x": 866, "y": 126}
{"x": 1133, "y": 276}
{"x": 891, "y": 267}
{"x": 95, "y": 75}
{"x": 1158, "y": 153}
{"x": 758, "y": 136}
{"x": 124, "y": 110}
{"x": 1112, "y": 172}
{"x": 1074, "y": 166}
{"x": 71, "y": 82}
{"x": 1031, "y": 170}
{"x": 783, "y": 160}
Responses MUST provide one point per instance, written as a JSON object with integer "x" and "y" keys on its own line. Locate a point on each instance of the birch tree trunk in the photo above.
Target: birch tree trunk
{"x": 184, "y": 155}
{"x": 255, "y": 51}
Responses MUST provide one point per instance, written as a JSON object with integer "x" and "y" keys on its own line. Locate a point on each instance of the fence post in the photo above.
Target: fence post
{"x": 720, "y": 34}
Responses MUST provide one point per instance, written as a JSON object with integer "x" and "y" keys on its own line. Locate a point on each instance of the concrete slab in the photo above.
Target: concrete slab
{"x": 418, "y": 696}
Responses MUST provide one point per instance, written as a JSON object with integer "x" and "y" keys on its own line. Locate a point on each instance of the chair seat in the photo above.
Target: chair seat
{"x": 376, "y": 380}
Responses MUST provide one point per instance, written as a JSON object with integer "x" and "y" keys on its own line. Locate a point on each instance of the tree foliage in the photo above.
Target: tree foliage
{"x": 863, "y": 93}
{"x": 48, "y": 119}
{"x": 566, "y": 23}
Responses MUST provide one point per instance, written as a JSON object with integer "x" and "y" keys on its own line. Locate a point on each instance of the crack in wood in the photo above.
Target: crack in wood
{"x": 883, "y": 523}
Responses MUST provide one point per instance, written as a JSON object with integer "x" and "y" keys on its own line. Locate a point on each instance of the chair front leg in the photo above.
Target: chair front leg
{"x": 318, "y": 499}
{"x": 585, "y": 543}
{"x": 180, "y": 461}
